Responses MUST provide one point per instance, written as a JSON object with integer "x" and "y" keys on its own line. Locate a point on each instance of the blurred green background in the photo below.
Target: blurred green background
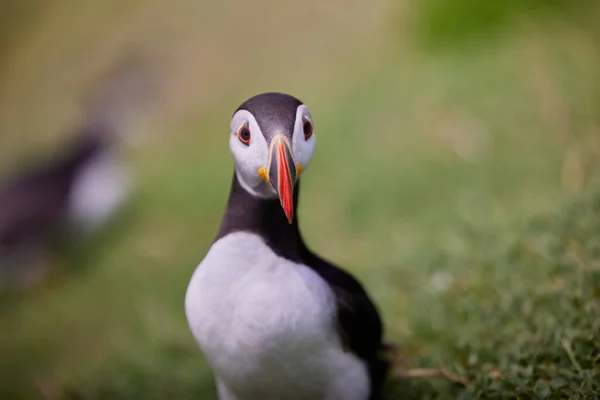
{"x": 458, "y": 148}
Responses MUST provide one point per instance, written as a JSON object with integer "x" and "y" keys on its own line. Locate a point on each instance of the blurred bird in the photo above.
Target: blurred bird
{"x": 75, "y": 193}
{"x": 275, "y": 320}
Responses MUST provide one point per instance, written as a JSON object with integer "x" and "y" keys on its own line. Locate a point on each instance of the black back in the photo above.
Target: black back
{"x": 33, "y": 202}
{"x": 359, "y": 324}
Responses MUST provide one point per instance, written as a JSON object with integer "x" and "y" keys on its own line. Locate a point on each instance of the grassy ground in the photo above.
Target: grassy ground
{"x": 457, "y": 182}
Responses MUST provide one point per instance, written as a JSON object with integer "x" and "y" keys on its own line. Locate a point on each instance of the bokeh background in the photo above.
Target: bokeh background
{"x": 458, "y": 148}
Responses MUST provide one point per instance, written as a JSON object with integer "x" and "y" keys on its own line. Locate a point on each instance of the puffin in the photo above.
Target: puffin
{"x": 74, "y": 194}
{"x": 273, "y": 319}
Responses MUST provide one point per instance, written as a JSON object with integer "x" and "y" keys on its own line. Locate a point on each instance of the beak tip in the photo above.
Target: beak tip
{"x": 289, "y": 212}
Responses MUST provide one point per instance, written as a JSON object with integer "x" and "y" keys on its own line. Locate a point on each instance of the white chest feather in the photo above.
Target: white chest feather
{"x": 98, "y": 191}
{"x": 266, "y": 326}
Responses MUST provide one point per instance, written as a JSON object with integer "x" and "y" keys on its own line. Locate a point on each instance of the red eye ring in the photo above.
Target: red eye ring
{"x": 244, "y": 134}
{"x": 307, "y": 128}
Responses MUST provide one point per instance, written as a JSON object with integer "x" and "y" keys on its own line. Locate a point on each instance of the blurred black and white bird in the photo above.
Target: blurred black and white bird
{"x": 75, "y": 193}
{"x": 273, "y": 319}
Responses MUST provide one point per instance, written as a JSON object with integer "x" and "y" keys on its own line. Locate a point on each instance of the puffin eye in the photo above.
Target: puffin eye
{"x": 307, "y": 128}
{"x": 244, "y": 134}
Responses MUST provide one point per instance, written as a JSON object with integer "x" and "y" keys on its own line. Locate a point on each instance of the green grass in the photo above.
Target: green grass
{"x": 451, "y": 23}
{"x": 459, "y": 185}
{"x": 515, "y": 312}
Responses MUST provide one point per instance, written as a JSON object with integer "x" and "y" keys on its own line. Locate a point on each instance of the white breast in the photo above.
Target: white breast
{"x": 99, "y": 190}
{"x": 266, "y": 326}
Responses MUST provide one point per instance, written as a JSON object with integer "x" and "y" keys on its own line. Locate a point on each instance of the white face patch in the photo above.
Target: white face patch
{"x": 303, "y": 148}
{"x": 249, "y": 158}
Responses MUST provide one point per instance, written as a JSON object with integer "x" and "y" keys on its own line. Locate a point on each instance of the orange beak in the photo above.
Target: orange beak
{"x": 282, "y": 173}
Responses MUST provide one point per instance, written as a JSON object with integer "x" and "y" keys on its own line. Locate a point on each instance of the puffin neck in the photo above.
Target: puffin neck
{"x": 264, "y": 217}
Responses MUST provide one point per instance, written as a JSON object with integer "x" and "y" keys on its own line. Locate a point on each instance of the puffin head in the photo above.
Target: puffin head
{"x": 272, "y": 142}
